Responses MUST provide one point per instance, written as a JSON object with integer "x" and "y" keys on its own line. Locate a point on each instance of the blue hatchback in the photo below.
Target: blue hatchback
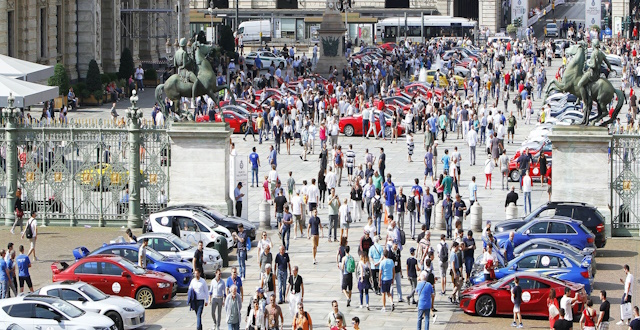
{"x": 564, "y": 229}
{"x": 548, "y": 262}
{"x": 181, "y": 270}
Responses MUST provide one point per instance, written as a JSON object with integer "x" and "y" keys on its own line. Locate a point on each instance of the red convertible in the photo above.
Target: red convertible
{"x": 491, "y": 298}
{"x": 237, "y": 122}
{"x": 352, "y": 125}
{"x": 118, "y": 276}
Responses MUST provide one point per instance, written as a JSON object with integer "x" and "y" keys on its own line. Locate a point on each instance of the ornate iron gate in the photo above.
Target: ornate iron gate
{"x": 625, "y": 185}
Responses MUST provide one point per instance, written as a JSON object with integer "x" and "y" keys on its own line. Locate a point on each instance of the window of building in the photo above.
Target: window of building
{"x": 396, "y": 4}
{"x": 287, "y": 4}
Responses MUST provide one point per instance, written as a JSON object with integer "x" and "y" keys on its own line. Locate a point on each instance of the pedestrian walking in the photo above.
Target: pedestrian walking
{"x": 516, "y": 297}
{"x": 627, "y": 294}
{"x": 410, "y": 146}
{"x": 217, "y": 294}
{"x": 412, "y": 274}
{"x": 334, "y": 206}
{"x": 603, "y": 317}
{"x": 233, "y": 308}
{"x": 488, "y": 170}
{"x": 4, "y": 276}
{"x": 426, "y": 294}
{"x": 313, "y": 231}
{"x": 526, "y": 189}
{"x": 344, "y": 213}
{"x": 295, "y": 290}
{"x": 18, "y": 211}
{"x": 31, "y": 233}
{"x": 334, "y": 316}
{"x": 197, "y": 297}
{"x": 387, "y": 275}
{"x": 283, "y": 267}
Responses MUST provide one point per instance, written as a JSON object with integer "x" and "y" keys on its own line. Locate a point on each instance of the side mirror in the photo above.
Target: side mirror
{"x": 527, "y": 232}
{"x": 126, "y": 274}
{"x": 82, "y": 299}
{"x": 58, "y": 318}
{"x": 514, "y": 267}
{"x": 173, "y": 249}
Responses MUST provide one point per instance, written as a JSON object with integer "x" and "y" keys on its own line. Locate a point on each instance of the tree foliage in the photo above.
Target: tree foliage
{"x": 226, "y": 42}
{"x": 127, "y": 67}
{"x": 94, "y": 81}
{"x": 60, "y": 78}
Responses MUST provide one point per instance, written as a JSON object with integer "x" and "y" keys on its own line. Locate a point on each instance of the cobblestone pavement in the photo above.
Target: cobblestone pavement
{"x": 322, "y": 281}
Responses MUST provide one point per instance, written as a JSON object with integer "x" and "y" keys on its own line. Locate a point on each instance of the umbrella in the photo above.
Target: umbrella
{"x": 15, "y": 68}
{"x": 24, "y": 92}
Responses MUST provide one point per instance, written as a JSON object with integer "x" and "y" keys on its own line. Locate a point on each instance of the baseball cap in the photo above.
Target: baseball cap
{"x": 412, "y": 250}
{"x": 260, "y": 290}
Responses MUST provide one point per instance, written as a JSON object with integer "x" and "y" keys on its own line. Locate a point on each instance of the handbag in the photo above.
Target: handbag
{"x": 349, "y": 219}
{"x": 553, "y": 311}
{"x": 626, "y": 311}
{"x": 19, "y": 213}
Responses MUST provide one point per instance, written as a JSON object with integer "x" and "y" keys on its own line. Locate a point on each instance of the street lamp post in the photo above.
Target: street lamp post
{"x": 210, "y": 10}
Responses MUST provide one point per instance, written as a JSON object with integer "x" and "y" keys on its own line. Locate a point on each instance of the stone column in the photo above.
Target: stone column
{"x": 194, "y": 147}
{"x": 134, "y": 114}
{"x": 110, "y": 35}
{"x": 619, "y": 11}
{"x": 4, "y": 28}
{"x": 580, "y": 162}
{"x": 52, "y": 33}
{"x": 9, "y": 114}
{"x": 89, "y": 35}
{"x": 331, "y": 34}
{"x": 70, "y": 45}
{"x": 489, "y": 15}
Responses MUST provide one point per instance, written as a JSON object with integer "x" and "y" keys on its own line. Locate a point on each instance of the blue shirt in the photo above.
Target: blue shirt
{"x": 389, "y": 194}
{"x": 445, "y": 161}
{"x": 417, "y": 191}
{"x": 433, "y": 125}
{"x": 387, "y": 269}
{"x": 375, "y": 253}
{"x": 237, "y": 282}
{"x": 429, "y": 160}
{"x": 273, "y": 158}
{"x": 3, "y": 271}
{"x": 508, "y": 249}
{"x": 425, "y": 292}
{"x": 23, "y": 263}
{"x": 253, "y": 158}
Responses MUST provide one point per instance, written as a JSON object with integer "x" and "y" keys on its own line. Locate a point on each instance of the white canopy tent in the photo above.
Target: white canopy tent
{"x": 15, "y": 68}
{"x": 24, "y": 92}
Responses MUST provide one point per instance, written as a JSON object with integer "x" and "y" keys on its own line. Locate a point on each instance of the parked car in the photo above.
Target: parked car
{"x": 586, "y": 213}
{"x": 173, "y": 246}
{"x": 237, "y": 122}
{"x": 556, "y": 227}
{"x": 194, "y": 226}
{"x": 227, "y": 221}
{"x": 45, "y": 312}
{"x": 266, "y": 58}
{"x": 180, "y": 269}
{"x": 118, "y": 276}
{"x": 126, "y": 313}
{"x": 352, "y": 125}
{"x": 552, "y": 30}
{"x": 548, "y": 262}
{"x": 534, "y": 167}
{"x": 491, "y": 298}
{"x": 552, "y": 244}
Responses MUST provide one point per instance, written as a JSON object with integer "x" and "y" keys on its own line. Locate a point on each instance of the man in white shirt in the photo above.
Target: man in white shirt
{"x": 567, "y": 303}
{"x": 199, "y": 286}
{"x": 140, "y": 77}
{"x": 314, "y": 195}
{"x": 628, "y": 290}
{"x": 526, "y": 188}
{"x": 472, "y": 141}
{"x": 331, "y": 179}
{"x": 296, "y": 210}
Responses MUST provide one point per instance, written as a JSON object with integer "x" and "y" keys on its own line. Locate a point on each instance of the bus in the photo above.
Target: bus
{"x": 394, "y": 29}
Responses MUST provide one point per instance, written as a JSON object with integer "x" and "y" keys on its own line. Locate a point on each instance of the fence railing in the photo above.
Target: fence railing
{"x": 625, "y": 184}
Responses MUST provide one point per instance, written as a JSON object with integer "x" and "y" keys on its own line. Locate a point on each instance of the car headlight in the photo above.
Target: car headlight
{"x": 211, "y": 257}
{"x": 182, "y": 270}
{"x": 128, "y": 309}
{"x": 163, "y": 285}
{"x": 101, "y": 328}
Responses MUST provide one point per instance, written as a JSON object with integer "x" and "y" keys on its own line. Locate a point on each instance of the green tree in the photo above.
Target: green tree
{"x": 226, "y": 41}
{"x": 94, "y": 81}
{"x": 127, "y": 67}
{"x": 60, "y": 79}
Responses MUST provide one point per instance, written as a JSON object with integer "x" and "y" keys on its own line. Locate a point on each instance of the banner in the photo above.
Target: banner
{"x": 520, "y": 9}
{"x": 592, "y": 13}
{"x": 239, "y": 173}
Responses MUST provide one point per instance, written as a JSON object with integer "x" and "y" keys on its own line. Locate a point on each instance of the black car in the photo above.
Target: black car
{"x": 226, "y": 221}
{"x": 588, "y": 214}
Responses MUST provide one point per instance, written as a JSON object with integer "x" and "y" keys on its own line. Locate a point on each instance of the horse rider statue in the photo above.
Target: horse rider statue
{"x": 184, "y": 62}
{"x": 592, "y": 74}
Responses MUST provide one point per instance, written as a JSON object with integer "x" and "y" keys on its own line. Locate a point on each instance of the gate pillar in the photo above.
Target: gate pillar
{"x": 134, "y": 114}
{"x": 10, "y": 115}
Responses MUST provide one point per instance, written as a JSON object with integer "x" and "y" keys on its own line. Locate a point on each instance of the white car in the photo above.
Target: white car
{"x": 36, "y": 312}
{"x": 193, "y": 226}
{"x": 266, "y": 58}
{"x": 126, "y": 313}
{"x": 171, "y": 245}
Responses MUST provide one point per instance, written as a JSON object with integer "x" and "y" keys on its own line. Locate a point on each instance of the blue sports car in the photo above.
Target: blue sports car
{"x": 548, "y": 262}
{"x": 180, "y": 269}
{"x": 564, "y": 229}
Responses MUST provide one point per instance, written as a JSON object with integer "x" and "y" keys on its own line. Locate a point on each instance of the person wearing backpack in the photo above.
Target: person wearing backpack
{"x": 411, "y": 208}
{"x": 443, "y": 255}
{"x": 348, "y": 266}
{"x": 377, "y": 211}
{"x": 364, "y": 279}
{"x": 31, "y": 233}
{"x": 375, "y": 257}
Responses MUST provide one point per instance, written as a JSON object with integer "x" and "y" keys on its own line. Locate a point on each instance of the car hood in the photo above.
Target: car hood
{"x": 177, "y": 262}
{"x": 154, "y": 275}
{"x": 246, "y": 223}
{"x": 91, "y": 320}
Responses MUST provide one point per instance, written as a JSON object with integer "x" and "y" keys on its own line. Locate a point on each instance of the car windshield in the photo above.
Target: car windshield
{"x": 131, "y": 267}
{"x": 153, "y": 254}
{"x": 205, "y": 221}
{"x": 67, "y": 308}
{"x": 182, "y": 245}
{"x": 501, "y": 281}
{"x": 93, "y": 292}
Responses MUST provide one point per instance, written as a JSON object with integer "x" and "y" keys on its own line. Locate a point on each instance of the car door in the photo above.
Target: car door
{"x": 528, "y": 263}
{"x": 163, "y": 246}
{"x": 114, "y": 282}
{"x": 21, "y": 314}
{"x": 88, "y": 272}
{"x": 71, "y": 296}
{"x": 537, "y": 229}
{"x": 45, "y": 317}
{"x": 534, "y": 296}
{"x": 188, "y": 230}
{"x": 561, "y": 231}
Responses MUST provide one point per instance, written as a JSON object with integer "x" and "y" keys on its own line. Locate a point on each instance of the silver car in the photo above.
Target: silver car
{"x": 171, "y": 245}
{"x": 552, "y": 30}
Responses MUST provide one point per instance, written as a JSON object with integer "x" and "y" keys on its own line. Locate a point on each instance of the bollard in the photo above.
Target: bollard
{"x": 512, "y": 211}
{"x": 475, "y": 217}
{"x": 220, "y": 244}
{"x": 440, "y": 225}
{"x": 265, "y": 215}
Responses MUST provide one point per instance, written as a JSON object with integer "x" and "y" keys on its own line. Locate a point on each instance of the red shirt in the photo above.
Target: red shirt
{"x": 520, "y": 88}
{"x": 634, "y": 52}
{"x": 381, "y": 105}
{"x": 330, "y": 89}
{"x": 507, "y": 78}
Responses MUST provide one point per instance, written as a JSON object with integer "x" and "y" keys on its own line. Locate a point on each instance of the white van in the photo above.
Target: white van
{"x": 250, "y": 30}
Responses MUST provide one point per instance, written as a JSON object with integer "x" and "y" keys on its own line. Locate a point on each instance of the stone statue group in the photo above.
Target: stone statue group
{"x": 587, "y": 85}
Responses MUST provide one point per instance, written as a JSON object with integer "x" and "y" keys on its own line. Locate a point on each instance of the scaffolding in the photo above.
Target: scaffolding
{"x": 130, "y": 15}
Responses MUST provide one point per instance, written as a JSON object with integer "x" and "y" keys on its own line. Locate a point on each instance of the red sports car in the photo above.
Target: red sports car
{"x": 534, "y": 168}
{"x": 352, "y": 125}
{"x": 490, "y": 298}
{"x": 388, "y": 46}
{"x": 236, "y": 121}
{"x": 119, "y": 276}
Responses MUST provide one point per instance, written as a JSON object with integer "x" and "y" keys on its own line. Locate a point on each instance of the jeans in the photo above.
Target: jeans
{"x": 4, "y": 289}
{"x": 527, "y": 201}
{"x": 333, "y": 225}
{"x": 414, "y": 283}
{"x": 236, "y": 326}
{"x": 472, "y": 155}
{"x": 427, "y": 217}
{"x": 378, "y": 223}
{"x": 286, "y": 234}
{"x": 374, "y": 274}
{"x": 447, "y": 220}
{"x": 423, "y": 314}
{"x": 242, "y": 257}
{"x": 279, "y": 218}
{"x": 216, "y": 310}
{"x": 400, "y": 220}
{"x": 250, "y": 130}
{"x": 282, "y": 284}
{"x": 412, "y": 223}
{"x": 364, "y": 294}
{"x": 199, "y": 308}
{"x": 398, "y": 286}
{"x": 254, "y": 176}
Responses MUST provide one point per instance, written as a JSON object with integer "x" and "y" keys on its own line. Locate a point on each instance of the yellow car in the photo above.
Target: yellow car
{"x": 103, "y": 172}
{"x": 444, "y": 82}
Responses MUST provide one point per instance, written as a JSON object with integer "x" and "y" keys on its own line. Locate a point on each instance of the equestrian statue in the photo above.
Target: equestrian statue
{"x": 195, "y": 78}
{"x": 588, "y": 86}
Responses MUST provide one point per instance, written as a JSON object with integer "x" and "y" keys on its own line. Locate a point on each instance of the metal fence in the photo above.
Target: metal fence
{"x": 77, "y": 172}
{"x": 625, "y": 183}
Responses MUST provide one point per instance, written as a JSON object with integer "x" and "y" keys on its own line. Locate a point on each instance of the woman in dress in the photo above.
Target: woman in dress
{"x": 439, "y": 187}
{"x": 287, "y": 135}
{"x": 364, "y": 279}
{"x": 555, "y": 310}
{"x": 488, "y": 170}
{"x": 543, "y": 168}
{"x": 344, "y": 214}
{"x": 410, "y": 145}
{"x": 267, "y": 192}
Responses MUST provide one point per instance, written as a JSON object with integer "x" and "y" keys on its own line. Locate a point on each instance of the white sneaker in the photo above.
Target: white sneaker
{"x": 434, "y": 318}
{"x": 383, "y": 309}
{"x": 12, "y": 232}
{"x": 621, "y": 322}
{"x": 360, "y": 306}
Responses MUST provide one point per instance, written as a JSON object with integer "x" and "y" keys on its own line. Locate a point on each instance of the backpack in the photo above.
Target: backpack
{"x": 411, "y": 205}
{"x": 28, "y": 233}
{"x": 377, "y": 206}
{"x": 367, "y": 272}
{"x": 403, "y": 237}
{"x": 444, "y": 252}
{"x": 350, "y": 265}
{"x": 339, "y": 158}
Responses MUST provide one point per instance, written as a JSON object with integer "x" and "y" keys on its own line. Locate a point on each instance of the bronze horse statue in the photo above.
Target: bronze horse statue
{"x": 602, "y": 91}
{"x": 176, "y": 87}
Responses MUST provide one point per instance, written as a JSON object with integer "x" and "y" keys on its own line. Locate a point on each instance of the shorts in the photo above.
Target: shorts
{"x": 344, "y": 225}
{"x": 350, "y": 170}
{"x": 32, "y": 242}
{"x": 511, "y": 130}
{"x": 458, "y": 168}
{"x": 428, "y": 171}
{"x": 23, "y": 279}
{"x": 386, "y": 286}
{"x": 347, "y": 282}
{"x": 299, "y": 220}
{"x": 315, "y": 239}
{"x": 516, "y": 308}
{"x": 443, "y": 267}
{"x": 313, "y": 206}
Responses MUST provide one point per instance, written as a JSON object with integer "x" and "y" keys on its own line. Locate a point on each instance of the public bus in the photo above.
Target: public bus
{"x": 394, "y": 29}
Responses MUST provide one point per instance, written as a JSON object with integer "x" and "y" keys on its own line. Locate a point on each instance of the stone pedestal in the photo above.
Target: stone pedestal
{"x": 199, "y": 171}
{"x": 439, "y": 220}
{"x": 475, "y": 217}
{"x": 264, "y": 215}
{"x": 511, "y": 212}
{"x": 331, "y": 35}
{"x": 580, "y": 167}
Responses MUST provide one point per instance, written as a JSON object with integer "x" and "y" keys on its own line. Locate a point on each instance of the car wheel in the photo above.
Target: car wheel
{"x": 116, "y": 318}
{"x": 348, "y": 130}
{"x": 145, "y": 297}
{"x": 387, "y": 131}
{"x": 243, "y": 128}
{"x": 485, "y": 306}
{"x": 514, "y": 176}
